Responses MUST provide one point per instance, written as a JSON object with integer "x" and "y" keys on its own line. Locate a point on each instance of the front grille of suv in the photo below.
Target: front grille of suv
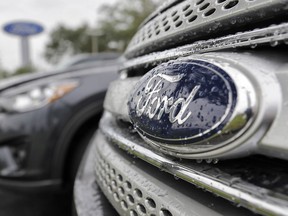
{"x": 132, "y": 179}
{"x": 137, "y": 188}
{"x": 198, "y": 20}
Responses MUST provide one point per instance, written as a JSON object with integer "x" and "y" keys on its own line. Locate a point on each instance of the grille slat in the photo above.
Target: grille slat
{"x": 189, "y": 21}
{"x": 243, "y": 187}
{"x": 147, "y": 190}
{"x": 273, "y": 36}
{"x": 126, "y": 195}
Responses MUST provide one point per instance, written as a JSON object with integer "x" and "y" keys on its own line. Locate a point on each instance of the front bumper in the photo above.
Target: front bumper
{"x": 134, "y": 187}
{"x": 147, "y": 182}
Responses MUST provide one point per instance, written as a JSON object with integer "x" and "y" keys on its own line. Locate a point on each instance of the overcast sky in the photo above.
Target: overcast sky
{"x": 46, "y": 12}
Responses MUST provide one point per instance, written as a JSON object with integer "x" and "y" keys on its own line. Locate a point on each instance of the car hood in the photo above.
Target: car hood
{"x": 21, "y": 79}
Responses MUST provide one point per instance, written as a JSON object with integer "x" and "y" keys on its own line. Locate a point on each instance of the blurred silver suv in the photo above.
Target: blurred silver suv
{"x": 197, "y": 124}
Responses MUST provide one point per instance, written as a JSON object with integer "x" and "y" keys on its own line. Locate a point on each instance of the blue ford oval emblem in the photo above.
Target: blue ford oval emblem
{"x": 23, "y": 29}
{"x": 182, "y": 102}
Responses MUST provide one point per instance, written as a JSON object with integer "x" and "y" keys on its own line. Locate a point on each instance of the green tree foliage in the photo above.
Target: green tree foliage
{"x": 19, "y": 71}
{"x": 67, "y": 41}
{"x": 121, "y": 20}
{"x": 3, "y": 73}
{"x": 24, "y": 70}
{"x": 117, "y": 22}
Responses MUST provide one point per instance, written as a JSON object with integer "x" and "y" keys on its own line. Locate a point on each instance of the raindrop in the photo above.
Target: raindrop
{"x": 208, "y": 160}
{"x": 274, "y": 43}
{"x": 234, "y": 180}
{"x": 233, "y": 21}
{"x": 253, "y": 45}
{"x": 211, "y": 204}
{"x": 214, "y": 89}
{"x": 176, "y": 177}
{"x": 201, "y": 93}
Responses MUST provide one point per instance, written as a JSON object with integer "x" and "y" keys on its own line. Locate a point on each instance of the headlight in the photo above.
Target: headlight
{"x": 35, "y": 97}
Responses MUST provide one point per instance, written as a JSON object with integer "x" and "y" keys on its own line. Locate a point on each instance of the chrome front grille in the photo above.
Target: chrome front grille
{"x": 128, "y": 196}
{"x": 193, "y": 20}
{"x": 273, "y": 36}
{"x": 243, "y": 182}
{"x": 135, "y": 188}
{"x": 269, "y": 63}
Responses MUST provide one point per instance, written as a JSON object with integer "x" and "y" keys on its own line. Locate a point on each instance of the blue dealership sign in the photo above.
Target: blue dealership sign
{"x": 23, "y": 29}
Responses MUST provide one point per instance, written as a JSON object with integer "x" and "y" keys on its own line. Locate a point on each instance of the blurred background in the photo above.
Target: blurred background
{"x": 70, "y": 28}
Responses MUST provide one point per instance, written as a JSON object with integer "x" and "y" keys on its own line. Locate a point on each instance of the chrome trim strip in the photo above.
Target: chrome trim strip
{"x": 273, "y": 35}
{"x": 124, "y": 177}
{"x": 257, "y": 199}
{"x": 190, "y": 21}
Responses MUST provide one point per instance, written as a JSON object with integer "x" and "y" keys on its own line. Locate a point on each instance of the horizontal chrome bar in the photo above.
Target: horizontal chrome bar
{"x": 273, "y": 35}
{"x": 178, "y": 24}
{"x": 129, "y": 183}
{"x": 257, "y": 199}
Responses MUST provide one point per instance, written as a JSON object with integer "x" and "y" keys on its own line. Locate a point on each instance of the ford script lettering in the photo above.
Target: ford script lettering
{"x": 164, "y": 104}
{"x": 182, "y": 102}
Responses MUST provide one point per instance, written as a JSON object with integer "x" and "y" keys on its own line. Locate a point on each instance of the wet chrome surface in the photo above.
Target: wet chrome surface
{"x": 272, "y": 35}
{"x": 189, "y": 21}
{"x": 137, "y": 188}
{"x": 256, "y": 198}
{"x": 259, "y": 95}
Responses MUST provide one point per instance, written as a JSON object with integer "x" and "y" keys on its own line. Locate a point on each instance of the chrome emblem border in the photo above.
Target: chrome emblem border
{"x": 239, "y": 113}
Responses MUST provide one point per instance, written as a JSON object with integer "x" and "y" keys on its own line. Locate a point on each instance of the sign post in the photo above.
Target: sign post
{"x": 25, "y": 51}
{"x": 24, "y": 30}
{"x": 95, "y": 34}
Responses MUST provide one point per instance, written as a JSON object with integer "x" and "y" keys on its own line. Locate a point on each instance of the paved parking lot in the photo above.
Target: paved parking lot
{"x": 16, "y": 204}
